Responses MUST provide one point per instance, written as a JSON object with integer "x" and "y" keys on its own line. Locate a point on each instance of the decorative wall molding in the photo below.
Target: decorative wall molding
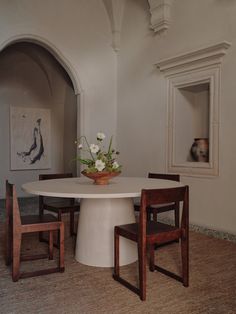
{"x": 115, "y": 11}
{"x": 191, "y": 71}
{"x": 192, "y": 59}
{"x": 160, "y": 15}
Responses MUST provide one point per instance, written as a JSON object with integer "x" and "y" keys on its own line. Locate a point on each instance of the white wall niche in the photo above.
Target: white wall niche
{"x": 193, "y": 86}
{"x": 192, "y": 111}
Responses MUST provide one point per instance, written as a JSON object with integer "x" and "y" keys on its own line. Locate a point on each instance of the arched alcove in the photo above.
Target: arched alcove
{"x": 50, "y": 47}
{"x": 31, "y": 77}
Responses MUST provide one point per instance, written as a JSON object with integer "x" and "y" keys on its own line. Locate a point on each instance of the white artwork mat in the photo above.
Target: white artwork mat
{"x": 30, "y": 130}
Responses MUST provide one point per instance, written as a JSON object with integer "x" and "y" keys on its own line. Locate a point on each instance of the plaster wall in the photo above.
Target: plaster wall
{"x": 31, "y": 77}
{"x": 78, "y": 34}
{"x": 142, "y": 101}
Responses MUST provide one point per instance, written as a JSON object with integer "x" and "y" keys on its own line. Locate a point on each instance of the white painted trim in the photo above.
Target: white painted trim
{"x": 80, "y": 123}
{"x": 194, "y": 58}
{"x": 192, "y": 68}
{"x": 199, "y": 76}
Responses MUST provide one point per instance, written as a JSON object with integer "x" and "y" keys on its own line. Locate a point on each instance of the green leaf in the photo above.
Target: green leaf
{"x": 87, "y": 162}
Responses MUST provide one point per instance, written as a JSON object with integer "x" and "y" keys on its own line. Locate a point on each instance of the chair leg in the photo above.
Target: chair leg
{"x": 176, "y": 212}
{"x": 151, "y": 257}
{"x": 50, "y": 244}
{"x": 16, "y": 257}
{"x": 142, "y": 272}
{"x": 116, "y": 254}
{"x": 9, "y": 245}
{"x": 149, "y": 216}
{"x": 116, "y": 274}
{"x": 154, "y": 215}
{"x": 61, "y": 248}
{"x": 59, "y": 216}
{"x": 41, "y": 213}
{"x": 176, "y": 217}
{"x": 185, "y": 260}
{"x": 72, "y": 222}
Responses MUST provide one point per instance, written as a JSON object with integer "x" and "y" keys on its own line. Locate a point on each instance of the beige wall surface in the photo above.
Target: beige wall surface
{"x": 142, "y": 101}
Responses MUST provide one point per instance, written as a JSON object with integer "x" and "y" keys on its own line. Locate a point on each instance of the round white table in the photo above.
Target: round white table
{"x": 102, "y": 207}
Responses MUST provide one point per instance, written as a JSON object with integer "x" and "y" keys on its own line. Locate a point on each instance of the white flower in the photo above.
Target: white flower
{"x": 100, "y": 136}
{"x": 94, "y": 148}
{"x": 99, "y": 165}
{"x": 80, "y": 146}
{"x": 115, "y": 165}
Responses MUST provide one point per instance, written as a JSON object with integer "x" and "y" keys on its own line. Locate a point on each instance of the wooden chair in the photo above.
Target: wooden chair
{"x": 165, "y": 207}
{"x": 153, "y": 211}
{"x": 148, "y": 233}
{"x": 58, "y": 205}
{"x": 17, "y": 225}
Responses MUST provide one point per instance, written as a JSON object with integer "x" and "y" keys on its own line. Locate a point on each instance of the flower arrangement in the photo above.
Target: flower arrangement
{"x": 100, "y": 160}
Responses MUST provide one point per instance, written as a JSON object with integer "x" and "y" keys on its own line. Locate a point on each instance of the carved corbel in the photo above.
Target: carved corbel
{"x": 160, "y": 15}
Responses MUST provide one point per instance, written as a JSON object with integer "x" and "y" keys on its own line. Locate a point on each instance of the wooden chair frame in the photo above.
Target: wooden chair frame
{"x": 165, "y": 207}
{"x": 152, "y": 211}
{"x": 148, "y": 233}
{"x": 16, "y": 226}
{"x": 60, "y": 208}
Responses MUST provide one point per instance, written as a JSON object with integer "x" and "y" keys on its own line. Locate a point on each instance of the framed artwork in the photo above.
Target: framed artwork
{"x": 30, "y": 130}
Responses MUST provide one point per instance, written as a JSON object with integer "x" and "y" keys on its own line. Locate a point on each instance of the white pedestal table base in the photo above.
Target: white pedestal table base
{"x": 95, "y": 236}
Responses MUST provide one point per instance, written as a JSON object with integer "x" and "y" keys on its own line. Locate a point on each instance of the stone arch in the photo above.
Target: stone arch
{"x": 64, "y": 62}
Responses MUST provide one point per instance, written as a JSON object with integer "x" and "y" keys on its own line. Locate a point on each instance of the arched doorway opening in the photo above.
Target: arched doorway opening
{"x": 31, "y": 77}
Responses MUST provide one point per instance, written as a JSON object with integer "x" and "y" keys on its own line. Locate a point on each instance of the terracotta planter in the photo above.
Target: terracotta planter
{"x": 200, "y": 150}
{"x": 101, "y": 178}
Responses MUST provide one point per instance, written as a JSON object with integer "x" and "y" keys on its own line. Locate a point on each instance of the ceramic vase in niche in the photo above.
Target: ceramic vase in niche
{"x": 200, "y": 150}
